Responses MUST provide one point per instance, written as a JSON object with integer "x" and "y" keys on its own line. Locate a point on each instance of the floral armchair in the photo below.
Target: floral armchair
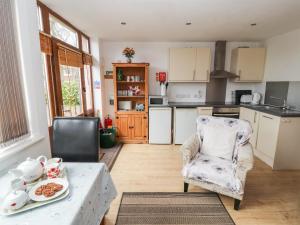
{"x": 216, "y": 174}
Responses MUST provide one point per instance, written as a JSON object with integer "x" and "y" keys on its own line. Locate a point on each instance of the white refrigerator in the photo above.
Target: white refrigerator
{"x": 160, "y": 125}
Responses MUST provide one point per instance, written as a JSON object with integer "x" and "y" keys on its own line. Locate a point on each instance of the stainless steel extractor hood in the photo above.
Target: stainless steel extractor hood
{"x": 219, "y": 62}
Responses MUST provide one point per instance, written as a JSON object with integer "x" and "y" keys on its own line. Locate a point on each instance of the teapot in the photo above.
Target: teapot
{"x": 31, "y": 169}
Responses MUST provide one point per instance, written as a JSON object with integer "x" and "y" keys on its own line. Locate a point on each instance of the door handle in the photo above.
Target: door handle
{"x": 268, "y": 117}
{"x": 194, "y": 73}
{"x": 255, "y": 117}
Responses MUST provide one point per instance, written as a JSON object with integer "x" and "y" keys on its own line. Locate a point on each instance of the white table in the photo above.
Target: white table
{"x": 91, "y": 192}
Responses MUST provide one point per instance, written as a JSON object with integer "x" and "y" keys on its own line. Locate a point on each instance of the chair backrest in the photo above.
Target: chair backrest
{"x": 243, "y": 127}
{"x": 76, "y": 139}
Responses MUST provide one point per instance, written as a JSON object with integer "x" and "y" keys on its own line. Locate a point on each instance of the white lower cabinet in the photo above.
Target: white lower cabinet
{"x": 205, "y": 111}
{"x": 184, "y": 124}
{"x": 267, "y": 137}
{"x": 253, "y": 117}
{"x": 275, "y": 139}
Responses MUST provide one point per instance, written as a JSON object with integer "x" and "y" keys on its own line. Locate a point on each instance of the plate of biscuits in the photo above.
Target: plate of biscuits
{"x": 48, "y": 189}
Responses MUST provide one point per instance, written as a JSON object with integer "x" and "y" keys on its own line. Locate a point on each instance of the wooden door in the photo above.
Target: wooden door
{"x": 182, "y": 64}
{"x": 139, "y": 127}
{"x": 123, "y": 126}
{"x": 251, "y": 64}
{"x": 268, "y": 134}
{"x": 203, "y": 61}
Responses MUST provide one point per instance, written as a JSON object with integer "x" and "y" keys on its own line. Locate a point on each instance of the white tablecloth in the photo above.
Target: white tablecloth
{"x": 91, "y": 192}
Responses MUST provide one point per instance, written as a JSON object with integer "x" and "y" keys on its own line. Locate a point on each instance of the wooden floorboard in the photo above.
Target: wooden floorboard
{"x": 272, "y": 197}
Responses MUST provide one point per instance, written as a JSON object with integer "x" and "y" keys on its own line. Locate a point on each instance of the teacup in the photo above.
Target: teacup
{"x": 53, "y": 167}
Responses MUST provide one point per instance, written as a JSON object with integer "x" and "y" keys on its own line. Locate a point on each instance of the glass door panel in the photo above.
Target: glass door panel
{"x": 71, "y": 90}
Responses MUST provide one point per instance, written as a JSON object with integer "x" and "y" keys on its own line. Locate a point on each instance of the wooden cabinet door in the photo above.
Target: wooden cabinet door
{"x": 249, "y": 64}
{"x": 139, "y": 127}
{"x": 253, "y": 117}
{"x": 123, "y": 126}
{"x": 203, "y": 61}
{"x": 268, "y": 134}
{"x": 182, "y": 64}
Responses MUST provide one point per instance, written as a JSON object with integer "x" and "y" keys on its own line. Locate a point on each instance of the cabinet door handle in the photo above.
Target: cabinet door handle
{"x": 255, "y": 117}
{"x": 207, "y": 74}
{"x": 145, "y": 117}
{"x": 268, "y": 117}
{"x": 194, "y": 72}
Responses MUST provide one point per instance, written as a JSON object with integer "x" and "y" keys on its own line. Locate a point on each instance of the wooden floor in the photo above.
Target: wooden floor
{"x": 272, "y": 197}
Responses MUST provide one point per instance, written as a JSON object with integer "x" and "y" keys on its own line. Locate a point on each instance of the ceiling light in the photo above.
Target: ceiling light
{"x": 188, "y": 23}
{"x": 253, "y": 24}
{"x": 123, "y": 23}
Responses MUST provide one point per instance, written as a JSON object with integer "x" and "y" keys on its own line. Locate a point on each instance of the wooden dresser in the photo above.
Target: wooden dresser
{"x": 131, "y": 86}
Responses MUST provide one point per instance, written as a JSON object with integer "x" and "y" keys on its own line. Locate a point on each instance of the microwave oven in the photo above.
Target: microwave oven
{"x": 157, "y": 100}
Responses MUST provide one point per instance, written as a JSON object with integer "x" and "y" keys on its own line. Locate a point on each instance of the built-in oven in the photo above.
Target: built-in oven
{"x": 229, "y": 112}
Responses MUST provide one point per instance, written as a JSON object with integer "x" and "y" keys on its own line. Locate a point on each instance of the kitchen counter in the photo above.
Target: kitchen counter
{"x": 261, "y": 108}
{"x": 273, "y": 110}
{"x": 201, "y": 104}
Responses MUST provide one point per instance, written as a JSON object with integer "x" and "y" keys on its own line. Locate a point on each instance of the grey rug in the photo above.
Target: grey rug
{"x": 172, "y": 208}
{"x": 110, "y": 155}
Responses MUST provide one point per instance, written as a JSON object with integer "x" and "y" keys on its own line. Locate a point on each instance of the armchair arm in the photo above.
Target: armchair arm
{"x": 190, "y": 148}
{"x": 245, "y": 161}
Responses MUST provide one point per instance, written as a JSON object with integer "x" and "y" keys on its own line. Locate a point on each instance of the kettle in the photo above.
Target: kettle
{"x": 31, "y": 169}
{"x": 256, "y": 98}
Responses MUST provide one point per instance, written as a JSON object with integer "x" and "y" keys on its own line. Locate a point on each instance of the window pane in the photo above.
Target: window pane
{"x": 88, "y": 87}
{"x": 40, "y": 20}
{"x": 85, "y": 44}
{"x": 46, "y": 90}
{"x": 61, "y": 31}
{"x": 71, "y": 90}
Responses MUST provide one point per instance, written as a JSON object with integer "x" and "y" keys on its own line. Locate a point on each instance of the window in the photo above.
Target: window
{"x": 63, "y": 32}
{"x": 47, "y": 89}
{"x": 88, "y": 87}
{"x": 13, "y": 118}
{"x": 85, "y": 44}
{"x": 40, "y": 18}
{"x": 71, "y": 90}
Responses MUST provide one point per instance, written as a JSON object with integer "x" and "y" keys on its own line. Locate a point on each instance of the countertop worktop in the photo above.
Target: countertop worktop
{"x": 201, "y": 104}
{"x": 261, "y": 108}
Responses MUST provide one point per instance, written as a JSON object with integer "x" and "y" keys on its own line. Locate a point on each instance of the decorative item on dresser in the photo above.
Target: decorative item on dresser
{"x": 131, "y": 101}
{"x": 129, "y": 53}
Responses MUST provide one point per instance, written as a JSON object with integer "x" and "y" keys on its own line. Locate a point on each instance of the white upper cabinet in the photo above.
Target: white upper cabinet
{"x": 248, "y": 63}
{"x": 189, "y": 64}
{"x": 203, "y": 61}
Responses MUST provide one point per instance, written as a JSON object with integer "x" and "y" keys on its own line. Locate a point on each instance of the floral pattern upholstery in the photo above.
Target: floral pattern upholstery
{"x": 216, "y": 174}
{"x": 213, "y": 170}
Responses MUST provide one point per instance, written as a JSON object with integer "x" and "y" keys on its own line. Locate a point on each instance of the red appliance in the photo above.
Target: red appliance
{"x": 108, "y": 122}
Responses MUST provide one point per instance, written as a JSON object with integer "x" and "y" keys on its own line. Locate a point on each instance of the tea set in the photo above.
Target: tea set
{"x": 26, "y": 175}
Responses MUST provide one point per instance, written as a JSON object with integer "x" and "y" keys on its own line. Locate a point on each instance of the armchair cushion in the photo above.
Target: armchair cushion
{"x": 211, "y": 169}
{"x": 219, "y": 141}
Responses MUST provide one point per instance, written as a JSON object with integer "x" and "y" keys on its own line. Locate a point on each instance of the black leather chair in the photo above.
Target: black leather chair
{"x": 76, "y": 139}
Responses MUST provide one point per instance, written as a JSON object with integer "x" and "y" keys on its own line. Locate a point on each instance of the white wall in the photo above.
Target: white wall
{"x": 31, "y": 67}
{"x": 157, "y": 54}
{"x": 283, "y": 57}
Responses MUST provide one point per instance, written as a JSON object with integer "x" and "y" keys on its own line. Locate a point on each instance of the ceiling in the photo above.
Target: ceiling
{"x": 165, "y": 20}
